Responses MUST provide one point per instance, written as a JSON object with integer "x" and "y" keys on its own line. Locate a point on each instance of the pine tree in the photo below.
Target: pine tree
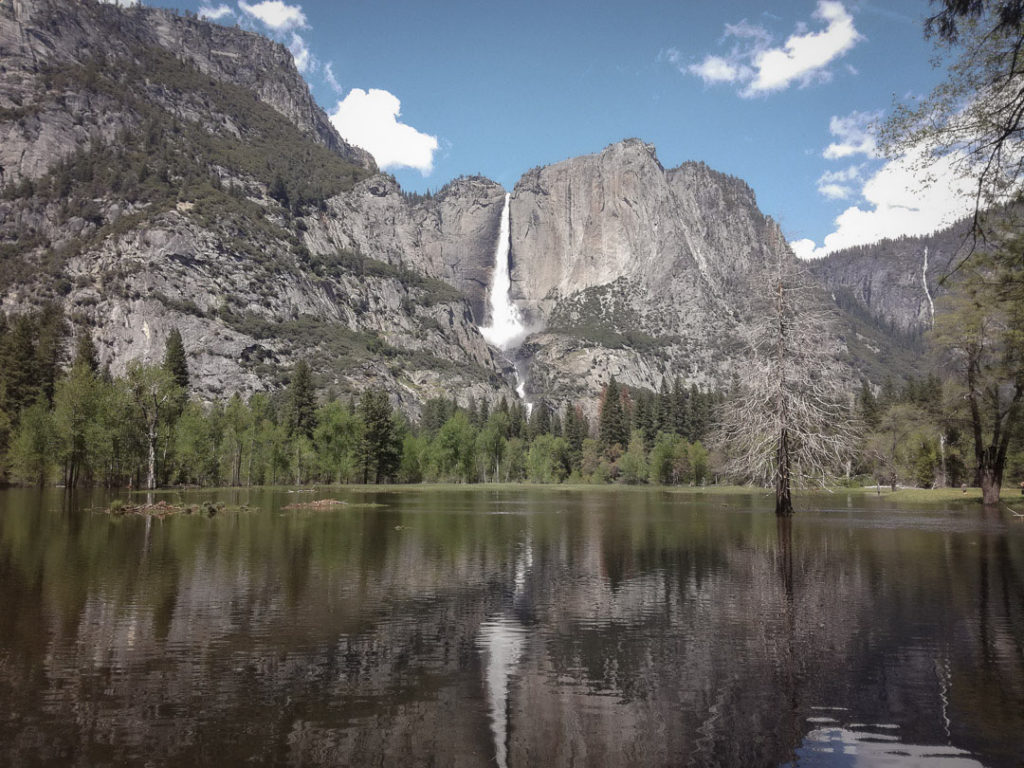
{"x": 51, "y": 331}
{"x": 680, "y": 408}
{"x": 301, "y": 419}
{"x": 175, "y": 361}
{"x": 540, "y": 421}
{"x": 612, "y": 420}
{"x": 381, "y": 446}
{"x": 85, "y": 352}
{"x": 664, "y": 412}
{"x": 870, "y": 412}
{"x": 576, "y": 430}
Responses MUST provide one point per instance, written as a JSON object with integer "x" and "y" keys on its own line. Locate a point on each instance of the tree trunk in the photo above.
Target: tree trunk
{"x": 151, "y": 470}
{"x": 783, "y": 497}
{"x": 991, "y": 484}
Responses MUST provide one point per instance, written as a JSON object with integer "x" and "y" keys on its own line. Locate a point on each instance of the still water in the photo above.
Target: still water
{"x": 525, "y": 627}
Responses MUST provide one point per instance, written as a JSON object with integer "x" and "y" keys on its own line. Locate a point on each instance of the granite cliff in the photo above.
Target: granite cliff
{"x": 624, "y": 267}
{"x": 160, "y": 171}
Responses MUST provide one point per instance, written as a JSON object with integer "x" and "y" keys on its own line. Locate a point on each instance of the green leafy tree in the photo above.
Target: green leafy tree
{"x": 155, "y": 396}
{"x": 974, "y": 118}
{"x": 195, "y": 447}
{"x": 491, "y": 443}
{"x": 415, "y": 449}
{"x": 662, "y": 461}
{"x": 336, "y": 439}
{"x": 236, "y": 425}
{"x": 548, "y": 459}
{"x": 32, "y": 448}
{"x": 982, "y": 334}
{"x": 455, "y": 449}
{"x": 76, "y": 416}
{"x": 633, "y": 463}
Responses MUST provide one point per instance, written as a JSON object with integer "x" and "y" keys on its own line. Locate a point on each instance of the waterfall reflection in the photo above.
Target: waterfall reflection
{"x": 615, "y": 627}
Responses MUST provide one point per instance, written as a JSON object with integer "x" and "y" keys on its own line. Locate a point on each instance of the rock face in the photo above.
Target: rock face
{"x": 43, "y": 121}
{"x": 161, "y": 172}
{"x": 625, "y": 268}
{"x": 890, "y": 280}
{"x": 450, "y": 236}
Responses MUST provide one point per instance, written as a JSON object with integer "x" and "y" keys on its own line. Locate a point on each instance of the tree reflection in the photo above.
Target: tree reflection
{"x": 625, "y": 629}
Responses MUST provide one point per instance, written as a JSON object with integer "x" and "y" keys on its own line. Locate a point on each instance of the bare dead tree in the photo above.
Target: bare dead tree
{"x": 789, "y": 419}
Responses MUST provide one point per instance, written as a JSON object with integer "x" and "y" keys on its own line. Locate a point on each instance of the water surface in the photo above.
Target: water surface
{"x": 519, "y": 627}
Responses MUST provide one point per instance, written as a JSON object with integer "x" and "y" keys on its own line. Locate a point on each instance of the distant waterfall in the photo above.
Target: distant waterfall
{"x": 506, "y": 331}
{"x": 924, "y": 282}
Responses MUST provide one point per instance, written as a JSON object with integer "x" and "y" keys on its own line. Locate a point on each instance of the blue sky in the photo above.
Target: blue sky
{"x": 757, "y": 90}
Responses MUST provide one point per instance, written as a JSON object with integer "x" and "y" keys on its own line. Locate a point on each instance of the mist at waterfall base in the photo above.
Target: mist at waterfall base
{"x": 506, "y": 331}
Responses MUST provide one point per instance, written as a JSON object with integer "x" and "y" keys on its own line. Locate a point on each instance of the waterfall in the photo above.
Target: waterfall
{"x": 924, "y": 282}
{"x": 506, "y": 331}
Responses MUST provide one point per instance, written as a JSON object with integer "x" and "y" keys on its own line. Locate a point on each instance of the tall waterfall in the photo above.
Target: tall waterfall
{"x": 506, "y": 331}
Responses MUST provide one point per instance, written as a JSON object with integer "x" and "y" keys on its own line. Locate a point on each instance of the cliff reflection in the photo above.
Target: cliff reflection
{"x": 620, "y": 629}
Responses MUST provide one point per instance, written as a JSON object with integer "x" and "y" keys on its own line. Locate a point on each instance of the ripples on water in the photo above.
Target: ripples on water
{"x": 517, "y": 628}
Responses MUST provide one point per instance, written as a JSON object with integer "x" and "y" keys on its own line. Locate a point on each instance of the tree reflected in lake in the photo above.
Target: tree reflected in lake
{"x": 517, "y": 627}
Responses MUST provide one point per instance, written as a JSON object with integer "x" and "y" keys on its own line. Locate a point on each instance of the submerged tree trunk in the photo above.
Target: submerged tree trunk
{"x": 151, "y": 469}
{"x": 783, "y": 497}
{"x": 991, "y": 481}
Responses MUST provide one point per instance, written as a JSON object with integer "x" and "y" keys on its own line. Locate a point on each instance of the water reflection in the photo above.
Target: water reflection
{"x": 612, "y": 628}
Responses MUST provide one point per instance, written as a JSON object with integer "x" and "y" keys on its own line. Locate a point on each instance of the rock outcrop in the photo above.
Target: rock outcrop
{"x": 625, "y": 268}
{"x": 450, "y": 235}
{"x": 44, "y": 119}
{"x": 891, "y": 281}
{"x": 161, "y": 171}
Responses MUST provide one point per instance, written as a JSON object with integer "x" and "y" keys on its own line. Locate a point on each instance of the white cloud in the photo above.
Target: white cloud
{"x": 835, "y": 191}
{"x": 304, "y": 60}
{"x": 330, "y": 78}
{"x": 715, "y": 69}
{"x": 214, "y": 14}
{"x": 275, "y": 14}
{"x": 906, "y": 196}
{"x": 369, "y": 119}
{"x": 855, "y": 133}
{"x": 835, "y": 185}
{"x": 802, "y": 59}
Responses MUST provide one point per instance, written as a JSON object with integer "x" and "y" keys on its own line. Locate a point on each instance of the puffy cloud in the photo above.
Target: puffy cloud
{"x": 910, "y": 195}
{"x": 803, "y": 57}
{"x": 275, "y": 14}
{"x": 762, "y": 68}
{"x": 835, "y": 185}
{"x": 715, "y": 69}
{"x": 369, "y": 119}
{"x": 855, "y": 134}
{"x": 214, "y": 14}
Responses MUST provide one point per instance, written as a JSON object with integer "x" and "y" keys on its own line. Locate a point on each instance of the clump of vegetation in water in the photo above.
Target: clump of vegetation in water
{"x": 163, "y": 509}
